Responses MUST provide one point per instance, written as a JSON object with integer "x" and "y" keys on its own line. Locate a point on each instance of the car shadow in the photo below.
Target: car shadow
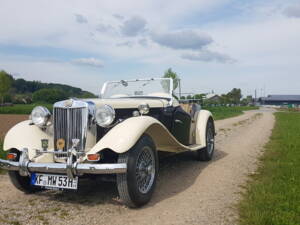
{"x": 176, "y": 173}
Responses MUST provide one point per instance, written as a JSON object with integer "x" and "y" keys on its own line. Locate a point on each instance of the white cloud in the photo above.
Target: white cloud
{"x": 208, "y": 56}
{"x": 185, "y": 39}
{"x": 292, "y": 11}
{"x": 80, "y": 18}
{"x": 133, "y": 26}
{"x": 89, "y": 62}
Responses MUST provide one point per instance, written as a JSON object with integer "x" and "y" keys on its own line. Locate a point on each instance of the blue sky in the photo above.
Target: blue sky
{"x": 212, "y": 45}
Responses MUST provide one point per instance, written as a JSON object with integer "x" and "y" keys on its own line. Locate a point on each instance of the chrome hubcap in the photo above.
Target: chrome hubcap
{"x": 145, "y": 170}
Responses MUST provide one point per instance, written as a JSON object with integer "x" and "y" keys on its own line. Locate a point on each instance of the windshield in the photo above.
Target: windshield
{"x": 158, "y": 87}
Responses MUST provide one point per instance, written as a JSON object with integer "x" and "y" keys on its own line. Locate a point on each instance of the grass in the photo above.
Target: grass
{"x": 22, "y": 108}
{"x": 221, "y": 112}
{"x": 272, "y": 196}
{"x": 2, "y": 154}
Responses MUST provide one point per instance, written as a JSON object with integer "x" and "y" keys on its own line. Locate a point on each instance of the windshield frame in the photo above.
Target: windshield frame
{"x": 143, "y": 79}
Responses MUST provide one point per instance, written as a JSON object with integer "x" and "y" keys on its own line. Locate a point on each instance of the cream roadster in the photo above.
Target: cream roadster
{"x": 119, "y": 135}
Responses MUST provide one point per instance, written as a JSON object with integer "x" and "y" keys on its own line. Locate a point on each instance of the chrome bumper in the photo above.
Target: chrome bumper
{"x": 25, "y": 167}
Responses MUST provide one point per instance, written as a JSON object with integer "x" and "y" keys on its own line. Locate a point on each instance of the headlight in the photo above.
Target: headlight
{"x": 144, "y": 108}
{"x": 40, "y": 116}
{"x": 105, "y": 115}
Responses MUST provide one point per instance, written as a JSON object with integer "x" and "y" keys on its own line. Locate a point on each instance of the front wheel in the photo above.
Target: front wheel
{"x": 206, "y": 153}
{"x": 20, "y": 182}
{"x": 137, "y": 185}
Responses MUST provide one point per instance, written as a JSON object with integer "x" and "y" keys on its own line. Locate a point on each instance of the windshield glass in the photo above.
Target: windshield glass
{"x": 159, "y": 87}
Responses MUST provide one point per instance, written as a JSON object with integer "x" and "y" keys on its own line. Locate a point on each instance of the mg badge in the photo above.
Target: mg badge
{"x": 68, "y": 103}
{"x": 60, "y": 144}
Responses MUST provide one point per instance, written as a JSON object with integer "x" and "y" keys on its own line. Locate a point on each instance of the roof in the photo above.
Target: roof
{"x": 282, "y": 98}
{"x": 209, "y": 96}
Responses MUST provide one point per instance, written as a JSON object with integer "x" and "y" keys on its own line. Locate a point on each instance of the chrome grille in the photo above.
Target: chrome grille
{"x": 70, "y": 123}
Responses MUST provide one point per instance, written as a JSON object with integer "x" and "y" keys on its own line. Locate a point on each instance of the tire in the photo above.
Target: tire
{"x": 137, "y": 185}
{"x": 206, "y": 153}
{"x": 20, "y": 182}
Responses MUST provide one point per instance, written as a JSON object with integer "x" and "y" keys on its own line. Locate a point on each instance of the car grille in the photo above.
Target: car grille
{"x": 70, "y": 123}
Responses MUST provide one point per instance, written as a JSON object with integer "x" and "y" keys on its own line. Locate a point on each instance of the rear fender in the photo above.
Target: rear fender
{"x": 201, "y": 123}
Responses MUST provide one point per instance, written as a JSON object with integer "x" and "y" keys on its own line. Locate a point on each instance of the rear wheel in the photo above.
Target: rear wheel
{"x": 206, "y": 153}
{"x": 21, "y": 183}
{"x": 137, "y": 185}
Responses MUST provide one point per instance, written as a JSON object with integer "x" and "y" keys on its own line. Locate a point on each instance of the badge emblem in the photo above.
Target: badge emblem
{"x": 60, "y": 144}
{"x": 68, "y": 103}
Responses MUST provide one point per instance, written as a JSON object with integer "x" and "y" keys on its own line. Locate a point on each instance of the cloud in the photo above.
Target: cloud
{"x": 208, "y": 56}
{"x": 103, "y": 28}
{"x": 89, "y": 62}
{"x": 133, "y": 26}
{"x": 186, "y": 39}
{"x": 143, "y": 42}
{"x": 292, "y": 11}
{"x": 118, "y": 16}
{"x": 80, "y": 18}
{"x": 126, "y": 43}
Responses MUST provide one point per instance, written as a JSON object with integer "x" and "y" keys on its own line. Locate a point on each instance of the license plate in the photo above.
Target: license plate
{"x": 54, "y": 181}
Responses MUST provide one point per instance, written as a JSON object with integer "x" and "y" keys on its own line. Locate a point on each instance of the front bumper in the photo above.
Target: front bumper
{"x": 25, "y": 167}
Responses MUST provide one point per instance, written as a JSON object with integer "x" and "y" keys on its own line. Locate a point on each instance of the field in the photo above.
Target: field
{"x": 221, "y": 112}
{"x": 273, "y": 194}
{"x": 21, "y": 109}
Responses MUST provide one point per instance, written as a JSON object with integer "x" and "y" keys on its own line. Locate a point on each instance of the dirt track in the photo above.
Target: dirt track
{"x": 7, "y": 121}
{"x": 188, "y": 192}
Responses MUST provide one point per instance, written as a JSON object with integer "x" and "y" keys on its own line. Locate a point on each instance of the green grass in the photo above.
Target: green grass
{"x": 2, "y": 154}
{"x": 22, "y": 108}
{"x": 273, "y": 195}
{"x": 221, "y": 112}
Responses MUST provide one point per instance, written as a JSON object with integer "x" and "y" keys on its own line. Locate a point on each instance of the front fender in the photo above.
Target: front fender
{"x": 123, "y": 136}
{"x": 24, "y": 135}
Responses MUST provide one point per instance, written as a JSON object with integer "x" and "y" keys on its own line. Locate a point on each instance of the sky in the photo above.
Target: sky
{"x": 213, "y": 45}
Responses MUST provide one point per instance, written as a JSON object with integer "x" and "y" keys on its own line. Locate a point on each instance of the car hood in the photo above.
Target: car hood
{"x": 123, "y": 103}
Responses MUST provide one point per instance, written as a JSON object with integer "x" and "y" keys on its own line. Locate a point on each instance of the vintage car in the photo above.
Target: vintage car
{"x": 117, "y": 135}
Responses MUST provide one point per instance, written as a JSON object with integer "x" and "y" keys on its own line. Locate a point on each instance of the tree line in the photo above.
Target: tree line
{"x": 233, "y": 97}
{"x": 20, "y": 91}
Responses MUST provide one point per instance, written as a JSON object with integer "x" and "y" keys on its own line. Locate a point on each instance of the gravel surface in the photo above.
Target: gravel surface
{"x": 188, "y": 192}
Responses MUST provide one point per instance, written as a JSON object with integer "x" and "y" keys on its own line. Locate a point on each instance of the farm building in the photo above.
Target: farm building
{"x": 281, "y": 100}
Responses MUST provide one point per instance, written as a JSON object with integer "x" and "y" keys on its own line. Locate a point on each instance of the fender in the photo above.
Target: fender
{"x": 123, "y": 136}
{"x": 201, "y": 122}
{"x": 24, "y": 135}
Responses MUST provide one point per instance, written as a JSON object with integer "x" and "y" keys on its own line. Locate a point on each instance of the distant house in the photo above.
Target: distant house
{"x": 212, "y": 97}
{"x": 280, "y": 100}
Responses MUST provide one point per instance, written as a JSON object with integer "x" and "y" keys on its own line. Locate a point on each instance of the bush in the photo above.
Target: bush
{"x": 49, "y": 95}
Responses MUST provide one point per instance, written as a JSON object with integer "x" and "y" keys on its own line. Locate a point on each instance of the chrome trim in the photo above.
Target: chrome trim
{"x": 71, "y": 121}
{"x": 78, "y": 169}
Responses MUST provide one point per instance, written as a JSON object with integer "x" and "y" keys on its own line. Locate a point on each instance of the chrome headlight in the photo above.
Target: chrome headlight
{"x": 105, "y": 115}
{"x": 40, "y": 116}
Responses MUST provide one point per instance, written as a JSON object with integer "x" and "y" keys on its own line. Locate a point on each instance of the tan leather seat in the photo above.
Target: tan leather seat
{"x": 187, "y": 107}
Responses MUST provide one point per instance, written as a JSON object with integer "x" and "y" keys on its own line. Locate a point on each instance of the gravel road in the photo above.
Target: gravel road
{"x": 188, "y": 192}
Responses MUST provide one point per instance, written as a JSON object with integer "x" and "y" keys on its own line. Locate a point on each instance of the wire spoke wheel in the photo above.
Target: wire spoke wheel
{"x": 145, "y": 170}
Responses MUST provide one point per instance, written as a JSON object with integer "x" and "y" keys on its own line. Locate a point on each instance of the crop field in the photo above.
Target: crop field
{"x": 221, "y": 112}
{"x": 273, "y": 193}
{"x": 21, "y": 108}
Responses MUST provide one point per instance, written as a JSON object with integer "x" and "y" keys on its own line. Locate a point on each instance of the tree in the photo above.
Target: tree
{"x": 234, "y": 96}
{"x": 49, "y": 95}
{"x": 170, "y": 74}
{"x": 5, "y": 84}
